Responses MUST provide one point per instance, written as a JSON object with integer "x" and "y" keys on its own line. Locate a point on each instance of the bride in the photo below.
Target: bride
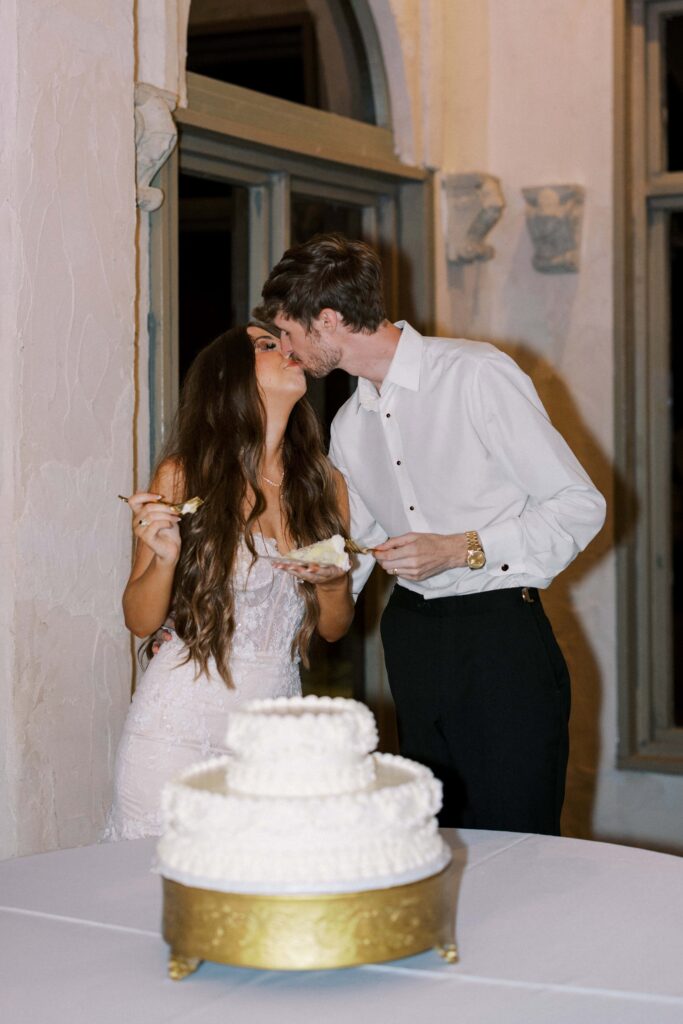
{"x": 249, "y": 444}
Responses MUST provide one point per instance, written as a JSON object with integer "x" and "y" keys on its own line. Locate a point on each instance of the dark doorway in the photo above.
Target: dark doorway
{"x": 213, "y": 259}
{"x": 674, "y": 92}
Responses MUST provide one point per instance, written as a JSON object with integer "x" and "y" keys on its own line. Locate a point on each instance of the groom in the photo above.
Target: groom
{"x": 474, "y": 502}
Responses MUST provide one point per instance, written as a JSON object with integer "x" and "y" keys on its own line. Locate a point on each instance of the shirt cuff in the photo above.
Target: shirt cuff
{"x": 364, "y": 564}
{"x": 503, "y": 545}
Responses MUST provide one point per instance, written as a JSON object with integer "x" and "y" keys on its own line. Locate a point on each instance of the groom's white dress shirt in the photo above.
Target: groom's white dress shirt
{"x": 457, "y": 439}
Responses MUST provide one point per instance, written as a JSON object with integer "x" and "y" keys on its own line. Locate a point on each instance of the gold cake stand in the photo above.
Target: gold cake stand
{"x": 308, "y": 931}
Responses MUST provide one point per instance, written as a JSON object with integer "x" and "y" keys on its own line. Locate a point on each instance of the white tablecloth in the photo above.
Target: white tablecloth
{"x": 550, "y": 931}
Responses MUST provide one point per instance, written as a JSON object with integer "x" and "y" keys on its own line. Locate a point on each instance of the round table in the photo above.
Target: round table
{"x": 550, "y": 931}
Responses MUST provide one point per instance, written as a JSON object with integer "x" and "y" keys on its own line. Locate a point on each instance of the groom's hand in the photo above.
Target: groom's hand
{"x": 417, "y": 556}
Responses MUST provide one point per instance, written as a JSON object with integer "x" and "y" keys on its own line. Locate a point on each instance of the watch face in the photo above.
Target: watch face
{"x": 476, "y": 559}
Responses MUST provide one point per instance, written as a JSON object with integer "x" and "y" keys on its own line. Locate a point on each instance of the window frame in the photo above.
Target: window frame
{"x": 648, "y": 739}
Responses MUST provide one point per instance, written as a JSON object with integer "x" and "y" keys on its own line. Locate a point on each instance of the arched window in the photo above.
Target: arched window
{"x": 300, "y": 50}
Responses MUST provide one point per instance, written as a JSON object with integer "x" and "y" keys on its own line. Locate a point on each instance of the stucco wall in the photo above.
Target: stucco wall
{"x": 68, "y": 336}
{"x": 8, "y": 315}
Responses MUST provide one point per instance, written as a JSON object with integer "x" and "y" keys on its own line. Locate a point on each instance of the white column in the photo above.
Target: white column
{"x": 68, "y": 175}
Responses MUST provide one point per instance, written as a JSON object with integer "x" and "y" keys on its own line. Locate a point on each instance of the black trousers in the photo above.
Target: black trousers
{"x": 482, "y": 698}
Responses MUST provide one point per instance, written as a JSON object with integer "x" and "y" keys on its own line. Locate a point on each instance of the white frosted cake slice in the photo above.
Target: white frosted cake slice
{"x": 301, "y": 805}
{"x": 324, "y": 552}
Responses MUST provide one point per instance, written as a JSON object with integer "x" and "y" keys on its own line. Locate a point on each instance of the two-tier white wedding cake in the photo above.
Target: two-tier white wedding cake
{"x": 302, "y": 805}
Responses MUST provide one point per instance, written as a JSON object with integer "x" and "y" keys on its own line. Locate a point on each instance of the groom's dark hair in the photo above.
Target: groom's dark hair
{"x": 327, "y": 272}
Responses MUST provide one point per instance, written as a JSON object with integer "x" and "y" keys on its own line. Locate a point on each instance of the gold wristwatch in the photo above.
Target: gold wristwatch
{"x": 476, "y": 559}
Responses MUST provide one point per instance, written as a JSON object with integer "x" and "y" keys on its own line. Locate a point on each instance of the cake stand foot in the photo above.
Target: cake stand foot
{"x": 180, "y": 966}
{"x": 448, "y": 952}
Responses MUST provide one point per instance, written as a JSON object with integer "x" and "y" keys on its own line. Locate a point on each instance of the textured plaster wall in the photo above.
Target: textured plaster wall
{"x": 70, "y": 207}
{"x": 8, "y": 313}
{"x": 524, "y": 91}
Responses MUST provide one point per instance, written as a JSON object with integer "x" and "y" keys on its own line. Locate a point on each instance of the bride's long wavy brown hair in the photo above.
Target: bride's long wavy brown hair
{"x": 217, "y": 442}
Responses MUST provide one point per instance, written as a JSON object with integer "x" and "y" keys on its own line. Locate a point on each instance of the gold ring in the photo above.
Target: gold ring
{"x": 395, "y": 572}
{"x": 143, "y": 522}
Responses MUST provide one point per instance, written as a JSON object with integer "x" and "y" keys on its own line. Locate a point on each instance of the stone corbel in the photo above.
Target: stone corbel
{"x": 155, "y": 138}
{"x": 474, "y": 204}
{"x": 553, "y": 216}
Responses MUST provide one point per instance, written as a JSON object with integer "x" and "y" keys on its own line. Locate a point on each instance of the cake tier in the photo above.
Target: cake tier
{"x": 383, "y": 835}
{"x": 301, "y": 746}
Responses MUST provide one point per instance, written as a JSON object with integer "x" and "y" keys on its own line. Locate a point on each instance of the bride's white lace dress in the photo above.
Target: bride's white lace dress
{"x": 176, "y": 719}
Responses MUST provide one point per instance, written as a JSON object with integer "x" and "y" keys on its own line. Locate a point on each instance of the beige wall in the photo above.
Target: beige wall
{"x": 9, "y": 298}
{"x": 68, "y": 334}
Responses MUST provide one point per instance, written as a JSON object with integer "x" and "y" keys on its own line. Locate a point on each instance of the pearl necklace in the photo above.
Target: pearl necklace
{"x": 271, "y": 482}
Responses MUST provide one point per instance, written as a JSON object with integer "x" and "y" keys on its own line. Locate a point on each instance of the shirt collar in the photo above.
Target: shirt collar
{"x": 404, "y": 369}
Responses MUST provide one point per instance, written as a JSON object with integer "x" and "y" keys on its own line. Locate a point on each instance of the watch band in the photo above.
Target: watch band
{"x": 476, "y": 558}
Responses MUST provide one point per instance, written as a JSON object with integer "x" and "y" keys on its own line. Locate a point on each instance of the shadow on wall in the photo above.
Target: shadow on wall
{"x": 587, "y": 684}
{"x": 547, "y": 311}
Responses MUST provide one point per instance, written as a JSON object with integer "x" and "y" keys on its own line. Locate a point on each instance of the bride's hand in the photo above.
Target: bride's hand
{"x": 325, "y": 576}
{"x": 156, "y": 526}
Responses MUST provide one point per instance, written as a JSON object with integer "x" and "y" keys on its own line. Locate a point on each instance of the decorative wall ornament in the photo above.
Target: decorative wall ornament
{"x": 155, "y": 138}
{"x": 474, "y": 204}
{"x": 553, "y": 216}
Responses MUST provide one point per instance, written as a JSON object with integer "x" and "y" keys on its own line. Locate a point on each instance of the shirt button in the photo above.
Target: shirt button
{"x": 398, "y": 462}
{"x": 388, "y": 415}
{"x": 412, "y": 508}
{"x": 505, "y": 567}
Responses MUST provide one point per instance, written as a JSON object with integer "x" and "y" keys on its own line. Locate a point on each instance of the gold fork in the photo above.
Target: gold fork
{"x": 186, "y": 508}
{"x": 182, "y": 508}
{"x": 354, "y": 548}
